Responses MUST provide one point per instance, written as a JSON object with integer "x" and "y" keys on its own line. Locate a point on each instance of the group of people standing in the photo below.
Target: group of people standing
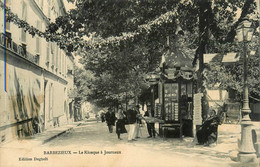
{"x": 132, "y": 117}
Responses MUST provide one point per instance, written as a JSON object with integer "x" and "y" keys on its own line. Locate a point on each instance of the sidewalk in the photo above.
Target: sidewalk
{"x": 40, "y": 138}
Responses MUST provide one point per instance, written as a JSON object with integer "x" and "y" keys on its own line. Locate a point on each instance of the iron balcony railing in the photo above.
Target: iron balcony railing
{"x": 20, "y": 50}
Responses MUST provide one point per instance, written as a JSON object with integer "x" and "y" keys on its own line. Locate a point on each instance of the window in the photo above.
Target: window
{"x": 62, "y": 64}
{"x": 57, "y": 57}
{"x": 24, "y": 50}
{"x": 9, "y": 39}
{"x": 8, "y": 26}
{"x": 24, "y": 17}
{"x": 48, "y": 53}
{"x": 50, "y": 101}
{"x": 23, "y": 36}
{"x": 65, "y": 66}
{"x": 38, "y": 40}
{"x": 52, "y": 54}
{"x": 60, "y": 61}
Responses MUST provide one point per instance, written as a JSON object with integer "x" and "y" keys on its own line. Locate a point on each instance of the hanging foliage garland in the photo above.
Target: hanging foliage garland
{"x": 73, "y": 43}
{"x": 11, "y": 17}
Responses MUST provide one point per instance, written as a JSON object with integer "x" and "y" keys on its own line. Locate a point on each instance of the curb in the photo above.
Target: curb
{"x": 34, "y": 141}
{"x": 56, "y": 135}
{"x": 53, "y": 137}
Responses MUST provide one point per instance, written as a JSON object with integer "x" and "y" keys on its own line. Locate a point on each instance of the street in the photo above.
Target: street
{"x": 192, "y": 66}
{"x": 90, "y": 144}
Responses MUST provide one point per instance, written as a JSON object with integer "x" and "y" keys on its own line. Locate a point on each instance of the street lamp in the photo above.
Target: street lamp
{"x": 246, "y": 150}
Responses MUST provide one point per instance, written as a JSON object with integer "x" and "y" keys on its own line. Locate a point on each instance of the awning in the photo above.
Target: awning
{"x": 231, "y": 57}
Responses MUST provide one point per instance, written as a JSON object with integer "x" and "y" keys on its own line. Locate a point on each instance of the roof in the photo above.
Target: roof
{"x": 177, "y": 64}
{"x": 177, "y": 58}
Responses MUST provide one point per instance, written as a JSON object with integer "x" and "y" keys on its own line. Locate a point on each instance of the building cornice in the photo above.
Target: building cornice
{"x": 63, "y": 6}
{"x": 39, "y": 10}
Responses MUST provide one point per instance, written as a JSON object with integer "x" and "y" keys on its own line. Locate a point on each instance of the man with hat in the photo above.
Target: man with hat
{"x": 110, "y": 119}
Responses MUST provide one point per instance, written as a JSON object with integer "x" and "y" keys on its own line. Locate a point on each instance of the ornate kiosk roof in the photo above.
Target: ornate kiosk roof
{"x": 175, "y": 64}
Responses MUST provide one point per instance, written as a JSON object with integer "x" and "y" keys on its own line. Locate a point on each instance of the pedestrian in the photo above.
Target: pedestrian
{"x": 87, "y": 115}
{"x": 120, "y": 123}
{"x": 150, "y": 125}
{"x": 208, "y": 132}
{"x": 110, "y": 119}
{"x": 97, "y": 117}
{"x": 131, "y": 115}
{"x": 138, "y": 122}
{"x": 103, "y": 117}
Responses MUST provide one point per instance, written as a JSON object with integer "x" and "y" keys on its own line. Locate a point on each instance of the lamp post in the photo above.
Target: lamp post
{"x": 246, "y": 148}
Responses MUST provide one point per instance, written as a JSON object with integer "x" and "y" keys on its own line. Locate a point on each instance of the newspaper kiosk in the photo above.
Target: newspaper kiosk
{"x": 175, "y": 95}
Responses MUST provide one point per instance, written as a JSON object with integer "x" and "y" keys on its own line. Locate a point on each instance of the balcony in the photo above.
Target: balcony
{"x": 20, "y": 50}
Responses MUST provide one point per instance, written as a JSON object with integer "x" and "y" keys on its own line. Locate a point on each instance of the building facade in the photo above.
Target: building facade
{"x": 38, "y": 74}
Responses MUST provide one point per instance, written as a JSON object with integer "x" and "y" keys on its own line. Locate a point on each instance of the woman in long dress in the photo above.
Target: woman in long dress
{"x": 120, "y": 124}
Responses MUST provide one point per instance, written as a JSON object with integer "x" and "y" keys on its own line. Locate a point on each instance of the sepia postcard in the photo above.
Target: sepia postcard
{"x": 129, "y": 83}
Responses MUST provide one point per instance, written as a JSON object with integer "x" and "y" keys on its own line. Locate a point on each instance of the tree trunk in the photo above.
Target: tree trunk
{"x": 203, "y": 39}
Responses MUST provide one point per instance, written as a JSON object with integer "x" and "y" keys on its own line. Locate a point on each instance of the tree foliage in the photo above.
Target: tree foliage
{"x": 121, "y": 41}
{"x": 140, "y": 40}
{"x": 230, "y": 77}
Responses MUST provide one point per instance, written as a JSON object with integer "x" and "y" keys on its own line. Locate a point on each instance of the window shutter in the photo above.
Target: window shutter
{"x": 38, "y": 40}
{"x": 24, "y": 17}
{"x": 48, "y": 52}
{"x": 8, "y": 26}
